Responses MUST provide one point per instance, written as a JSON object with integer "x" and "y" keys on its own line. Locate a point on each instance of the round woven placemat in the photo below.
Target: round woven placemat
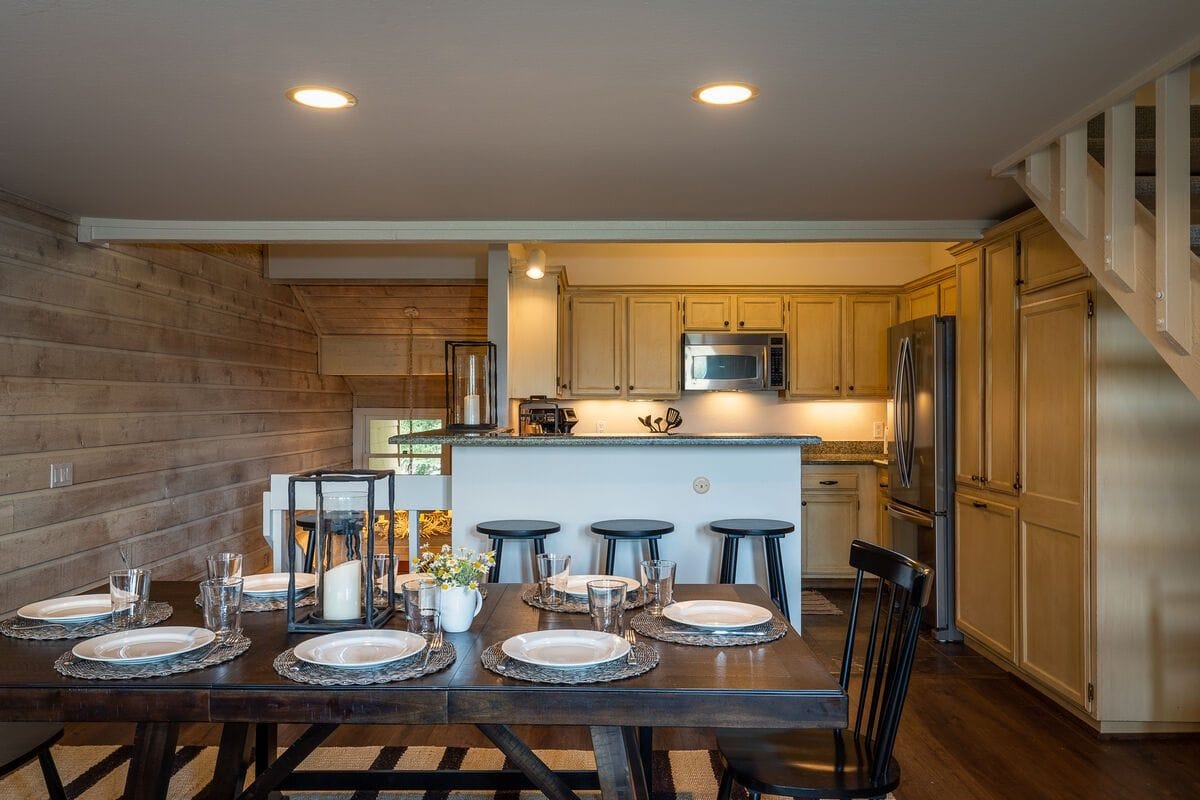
{"x": 532, "y": 597}
{"x": 19, "y": 628}
{"x": 644, "y": 659}
{"x": 665, "y": 630}
{"x": 292, "y": 668}
{"x": 217, "y": 653}
{"x": 255, "y": 604}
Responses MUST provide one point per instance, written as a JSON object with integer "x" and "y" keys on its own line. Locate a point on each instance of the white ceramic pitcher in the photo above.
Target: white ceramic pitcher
{"x": 459, "y": 605}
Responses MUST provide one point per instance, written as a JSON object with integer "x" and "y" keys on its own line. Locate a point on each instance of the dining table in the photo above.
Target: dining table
{"x": 779, "y": 684}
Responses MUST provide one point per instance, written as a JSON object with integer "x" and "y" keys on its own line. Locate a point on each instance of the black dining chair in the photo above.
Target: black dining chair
{"x": 855, "y": 762}
{"x": 22, "y": 742}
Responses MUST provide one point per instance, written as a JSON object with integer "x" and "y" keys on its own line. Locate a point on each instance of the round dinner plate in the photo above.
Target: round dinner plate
{"x": 577, "y": 584}
{"x": 68, "y": 609}
{"x": 141, "y": 646}
{"x": 359, "y": 649}
{"x": 565, "y": 649}
{"x": 400, "y": 579}
{"x": 275, "y": 584}
{"x": 717, "y": 614}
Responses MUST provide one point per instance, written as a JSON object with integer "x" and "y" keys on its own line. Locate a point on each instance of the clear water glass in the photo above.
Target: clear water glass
{"x": 420, "y": 594}
{"x": 606, "y": 604}
{"x": 383, "y": 566}
{"x": 129, "y": 591}
{"x": 427, "y": 622}
{"x": 658, "y": 582}
{"x": 224, "y": 565}
{"x": 221, "y": 599}
{"x": 553, "y": 571}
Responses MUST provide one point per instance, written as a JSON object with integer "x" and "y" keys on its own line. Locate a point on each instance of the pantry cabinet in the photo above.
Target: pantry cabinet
{"x": 985, "y": 575}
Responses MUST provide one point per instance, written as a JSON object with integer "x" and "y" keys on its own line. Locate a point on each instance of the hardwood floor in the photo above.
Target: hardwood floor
{"x": 970, "y": 732}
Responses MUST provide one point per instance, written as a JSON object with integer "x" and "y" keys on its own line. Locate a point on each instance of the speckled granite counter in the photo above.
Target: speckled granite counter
{"x": 606, "y": 440}
{"x": 853, "y": 459}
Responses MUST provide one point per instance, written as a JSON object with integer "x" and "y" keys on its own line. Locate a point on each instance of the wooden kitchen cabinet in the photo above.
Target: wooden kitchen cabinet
{"x": 829, "y": 523}
{"x": 728, "y": 312}
{"x": 948, "y": 297}
{"x": 814, "y": 344}
{"x": 923, "y": 302}
{"x": 1046, "y": 259}
{"x": 596, "y": 325}
{"x": 969, "y": 372}
{"x": 866, "y": 320}
{"x": 708, "y": 312}
{"x": 653, "y": 345}
{"x": 759, "y": 312}
{"x": 985, "y": 576}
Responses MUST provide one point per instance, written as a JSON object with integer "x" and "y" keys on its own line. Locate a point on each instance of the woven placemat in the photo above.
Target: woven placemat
{"x": 644, "y": 659}
{"x": 665, "y": 630}
{"x": 532, "y": 597}
{"x": 292, "y": 668}
{"x": 20, "y": 628}
{"x": 217, "y": 653}
{"x": 255, "y": 604}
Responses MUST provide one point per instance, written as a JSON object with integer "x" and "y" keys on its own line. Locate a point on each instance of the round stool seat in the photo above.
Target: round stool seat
{"x": 517, "y": 528}
{"x": 632, "y": 528}
{"x": 753, "y": 527}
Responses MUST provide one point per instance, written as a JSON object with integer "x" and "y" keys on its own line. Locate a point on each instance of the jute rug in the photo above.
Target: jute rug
{"x": 98, "y": 773}
{"x": 813, "y": 602}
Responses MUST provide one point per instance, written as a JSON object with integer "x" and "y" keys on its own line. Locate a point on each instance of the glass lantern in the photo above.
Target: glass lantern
{"x": 470, "y": 386}
{"x": 344, "y": 547}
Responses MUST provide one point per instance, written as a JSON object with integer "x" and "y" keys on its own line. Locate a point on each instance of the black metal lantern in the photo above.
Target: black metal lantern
{"x": 470, "y": 386}
{"x": 342, "y": 550}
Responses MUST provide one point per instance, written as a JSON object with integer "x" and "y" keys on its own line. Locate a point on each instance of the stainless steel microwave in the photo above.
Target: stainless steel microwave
{"x": 745, "y": 362}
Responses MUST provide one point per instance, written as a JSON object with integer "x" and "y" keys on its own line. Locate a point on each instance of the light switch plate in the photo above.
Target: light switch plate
{"x": 878, "y": 431}
{"x": 61, "y": 475}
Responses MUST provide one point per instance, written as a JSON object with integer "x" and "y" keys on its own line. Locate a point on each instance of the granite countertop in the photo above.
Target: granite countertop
{"x": 857, "y": 459}
{"x": 507, "y": 439}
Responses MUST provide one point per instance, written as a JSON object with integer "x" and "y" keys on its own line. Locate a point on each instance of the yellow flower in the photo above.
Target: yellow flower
{"x": 445, "y": 586}
{"x": 473, "y": 585}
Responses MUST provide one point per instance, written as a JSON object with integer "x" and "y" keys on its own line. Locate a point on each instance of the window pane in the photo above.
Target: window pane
{"x": 380, "y": 431}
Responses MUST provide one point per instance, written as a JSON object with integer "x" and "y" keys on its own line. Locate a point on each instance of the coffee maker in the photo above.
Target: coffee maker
{"x": 541, "y": 416}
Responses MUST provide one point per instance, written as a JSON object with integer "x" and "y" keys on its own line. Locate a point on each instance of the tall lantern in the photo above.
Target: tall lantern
{"x": 470, "y": 386}
{"x": 342, "y": 548}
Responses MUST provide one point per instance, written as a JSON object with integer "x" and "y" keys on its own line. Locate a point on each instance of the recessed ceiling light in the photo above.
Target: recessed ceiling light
{"x": 726, "y": 93}
{"x": 321, "y": 97}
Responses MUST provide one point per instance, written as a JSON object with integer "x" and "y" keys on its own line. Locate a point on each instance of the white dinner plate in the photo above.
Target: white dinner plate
{"x": 565, "y": 649}
{"x": 400, "y": 579}
{"x": 717, "y": 614}
{"x": 358, "y": 649}
{"x": 577, "y": 584}
{"x": 275, "y": 584}
{"x": 147, "y": 644}
{"x": 68, "y": 609}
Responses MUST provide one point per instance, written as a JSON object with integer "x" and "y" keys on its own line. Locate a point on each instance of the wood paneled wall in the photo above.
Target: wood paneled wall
{"x": 174, "y": 378}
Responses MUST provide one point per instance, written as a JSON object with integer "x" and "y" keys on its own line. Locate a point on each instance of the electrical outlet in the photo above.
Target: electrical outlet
{"x": 878, "y": 430}
{"x": 61, "y": 475}
{"x": 601, "y": 426}
{"x": 701, "y": 485}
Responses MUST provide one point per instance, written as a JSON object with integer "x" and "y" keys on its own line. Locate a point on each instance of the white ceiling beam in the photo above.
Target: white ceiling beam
{"x": 95, "y": 229}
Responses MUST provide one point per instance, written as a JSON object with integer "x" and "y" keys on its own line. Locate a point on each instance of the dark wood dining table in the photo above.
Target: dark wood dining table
{"x": 781, "y": 684}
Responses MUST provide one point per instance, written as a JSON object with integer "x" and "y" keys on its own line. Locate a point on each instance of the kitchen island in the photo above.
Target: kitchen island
{"x": 580, "y": 479}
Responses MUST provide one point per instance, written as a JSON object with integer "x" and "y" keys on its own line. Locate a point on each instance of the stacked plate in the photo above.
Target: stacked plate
{"x": 717, "y": 616}
{"x": 360, "y": 649}
{"x": 275, "y": 584}
{"x": 565, "y": 649}
{"x": 68, "y": 610}
{"x": 145, "y": 645}
{"x": 576, "y": 585}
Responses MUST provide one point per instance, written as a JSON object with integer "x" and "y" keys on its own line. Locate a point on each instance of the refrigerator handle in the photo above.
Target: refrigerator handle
{"x": 908, "y": 515}
{"x": 910, "y": 410}
{"x": 897, "y": 424}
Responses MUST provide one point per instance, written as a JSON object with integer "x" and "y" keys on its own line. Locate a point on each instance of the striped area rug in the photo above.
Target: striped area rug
{"x": 98, "y": 773}
{"x": 812, "y": 602}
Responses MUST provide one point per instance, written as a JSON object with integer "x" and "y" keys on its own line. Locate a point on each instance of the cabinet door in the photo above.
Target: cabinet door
{"x": 1000, "y": 358}
{"x": 948, "y": 297}
{"x": 1046, "y": 259}
{"x": 653, "y": 342}
{"x": 923, "y": 302}
{"x": 533, "y": 326}
{"x": 760, "y": 312}
{"x": 1055, "y": 438}
{"x": 829, "y": 523}
{"x": 985, "y": 572}
{"x": 707, "y": 312}
{"x": 969, "y": 372}
{"x": 815, "y": 345}
{"x": 596, "y": 324}
{"x": 865, "y": 344}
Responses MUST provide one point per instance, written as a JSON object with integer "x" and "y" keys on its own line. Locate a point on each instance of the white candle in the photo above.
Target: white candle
{"x": 471, "y": 409}
{"x": 342, "y": 591}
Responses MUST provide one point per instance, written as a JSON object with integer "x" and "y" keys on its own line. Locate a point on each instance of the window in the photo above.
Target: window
{"x": 374, "y": 426}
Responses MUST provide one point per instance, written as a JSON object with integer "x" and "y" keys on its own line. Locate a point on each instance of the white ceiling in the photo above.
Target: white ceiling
{"x": 522, "y": 110}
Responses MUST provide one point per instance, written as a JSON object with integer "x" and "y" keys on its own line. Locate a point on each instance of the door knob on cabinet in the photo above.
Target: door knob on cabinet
{"x": 741, "y": 323}
{"x": 804, "y": 502}
{"x": 852, "y": 388}
{"x": 616, "y": 388}
{"x": 726, "y": 323}
{"x": 837, "y": 388}
{"x": 631, "y": 387}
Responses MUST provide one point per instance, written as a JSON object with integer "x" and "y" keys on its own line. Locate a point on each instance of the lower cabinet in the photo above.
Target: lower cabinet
{"x": 833, "y": 515}
{"x": 985, "y": 572}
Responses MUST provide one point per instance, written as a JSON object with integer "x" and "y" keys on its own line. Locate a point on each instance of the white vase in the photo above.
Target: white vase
{"x": 458, "y": 606}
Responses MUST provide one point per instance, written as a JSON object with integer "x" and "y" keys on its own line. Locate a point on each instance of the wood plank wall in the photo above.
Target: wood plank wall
{"x": 174, "y": 378}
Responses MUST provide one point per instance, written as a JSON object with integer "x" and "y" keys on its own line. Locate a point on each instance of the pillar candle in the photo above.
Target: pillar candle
{"x": 341, "y": 592}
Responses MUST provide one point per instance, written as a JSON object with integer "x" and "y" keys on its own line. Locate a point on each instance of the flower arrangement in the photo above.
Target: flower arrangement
{"x": 466, "y": 568}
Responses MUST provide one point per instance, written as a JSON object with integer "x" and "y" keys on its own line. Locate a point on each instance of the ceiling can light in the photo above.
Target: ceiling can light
{"x": 325, "y": 97}
{"x": 725, "y": 93}
{"x": 535, "y": 265}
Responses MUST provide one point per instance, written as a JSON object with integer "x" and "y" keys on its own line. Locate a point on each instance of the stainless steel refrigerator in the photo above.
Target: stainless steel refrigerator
{"x": 921, "y": 457}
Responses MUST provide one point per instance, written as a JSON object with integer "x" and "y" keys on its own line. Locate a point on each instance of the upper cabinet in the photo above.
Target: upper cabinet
{"x": 948, "y": 297}
{"x": 923, "y": 302}
{"x": 653, "y": 345}
{"x": 596, "y": 325}
{"x": 932, "y": 294}
{"x": 728, "y": 312}
{"x": 866, "y": 321}
{"x": 815, "y": 346}
{"x": 623, "y": 345}
{"x": 1046, "y": 259}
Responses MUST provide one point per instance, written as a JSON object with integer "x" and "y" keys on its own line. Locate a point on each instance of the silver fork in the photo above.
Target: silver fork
{"x": 631, "y": 637}
{"x": 434, "y": 646}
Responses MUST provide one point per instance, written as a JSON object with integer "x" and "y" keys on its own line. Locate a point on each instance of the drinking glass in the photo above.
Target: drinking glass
{"x": 224, "y": 565}
{"x": 129, "y": 591}
{"x": 553, "y": 570}
{"x": 606, "y": 603}
{"x": 383, "y": 566}
{"x": 221, "y": 599}
{"x": 427, "y": 623}
{"x": 659, "y": 584}
{"x": 420, "y": 595}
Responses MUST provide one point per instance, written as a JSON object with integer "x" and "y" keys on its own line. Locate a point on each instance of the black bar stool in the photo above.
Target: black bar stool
{"x": 502, "y": 530}
{"x": 630, "y": 530}
{"x": 25, "y": 741}
{"x": 771, "y": 531}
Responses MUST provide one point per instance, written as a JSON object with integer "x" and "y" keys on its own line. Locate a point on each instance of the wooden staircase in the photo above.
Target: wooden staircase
{"x": 1123, "y": 190}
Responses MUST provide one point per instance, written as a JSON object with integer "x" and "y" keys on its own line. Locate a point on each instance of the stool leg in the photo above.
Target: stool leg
{"x": 610, "y": 555}
{"x": 646, "y": 752}
{"x": 539, "y": 547}
{"x": 772, "y": 573}
{"x": 724, "y": 574}
{"x": 734, "y": 542}
{"x": 494, "y": 572}
{"x": 653, "y": 549}
{"x": 775, "y": 572}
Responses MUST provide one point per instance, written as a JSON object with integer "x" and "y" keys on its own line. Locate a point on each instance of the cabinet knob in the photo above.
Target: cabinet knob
{"x": 741, "y": 323}
{"x": 803, "y": 502}
{"x": 978, "y": 504}
{"x": 726, "y": 323}
{"x": 852, "y": 388}
{"x": 631, "y": 387}
{"x": 837, "y": 388}
{"x": 974, "y": 478}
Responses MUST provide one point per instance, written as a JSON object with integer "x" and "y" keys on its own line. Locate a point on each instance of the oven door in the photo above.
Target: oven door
{"x": 724, "y": 366}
